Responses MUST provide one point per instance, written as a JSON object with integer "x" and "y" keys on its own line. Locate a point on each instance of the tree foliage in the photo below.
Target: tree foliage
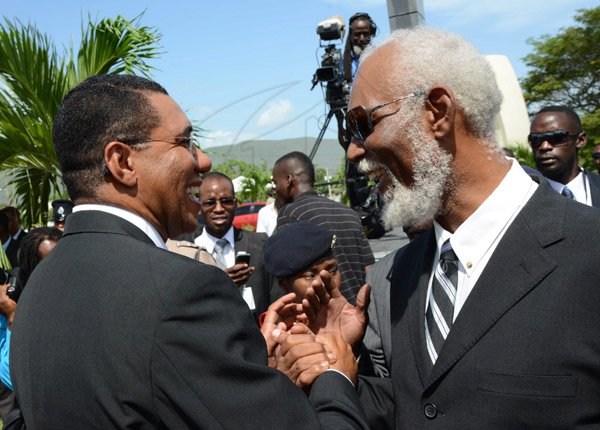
{"x": 255, "y": 186}
{"x": 564, "y": 69}
{"x": 34, "y": 78}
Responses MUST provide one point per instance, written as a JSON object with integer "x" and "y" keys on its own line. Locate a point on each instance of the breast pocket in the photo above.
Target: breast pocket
{"x": 528, "y": 385}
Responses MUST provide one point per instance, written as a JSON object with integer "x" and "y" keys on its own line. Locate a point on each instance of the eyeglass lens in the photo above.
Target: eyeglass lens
{"x": 359, "y": 122}
{"x": 554, "y": 138}
{"x": 225, "y": 202}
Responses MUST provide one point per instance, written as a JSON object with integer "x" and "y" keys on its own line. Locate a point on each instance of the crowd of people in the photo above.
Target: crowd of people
{"x": 135, "y": 317}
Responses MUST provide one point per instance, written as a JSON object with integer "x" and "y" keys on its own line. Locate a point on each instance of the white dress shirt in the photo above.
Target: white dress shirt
{"x": 208, "y": 241}
{"x": 132, "y": 217}
{"x": 579, "y": 186}
{"x": 476, "y": 239}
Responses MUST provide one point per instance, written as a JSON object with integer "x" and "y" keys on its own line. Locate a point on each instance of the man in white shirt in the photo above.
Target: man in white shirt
{"x": 226, "y": 243}
{"x": 556, "y": 138}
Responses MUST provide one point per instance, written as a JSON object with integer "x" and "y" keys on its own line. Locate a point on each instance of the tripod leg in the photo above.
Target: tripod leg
{"x": 321, "y": 134}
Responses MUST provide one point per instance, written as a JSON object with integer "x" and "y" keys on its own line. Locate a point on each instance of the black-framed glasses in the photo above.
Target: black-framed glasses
{"x": 554, "y": 138}
{"x": 359, "y": 120}
{"x": 226, "y": 202}
{"x": 596, "y": 155}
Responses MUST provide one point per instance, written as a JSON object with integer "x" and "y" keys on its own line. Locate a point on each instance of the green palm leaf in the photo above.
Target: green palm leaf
{"x": 34, "y": 79}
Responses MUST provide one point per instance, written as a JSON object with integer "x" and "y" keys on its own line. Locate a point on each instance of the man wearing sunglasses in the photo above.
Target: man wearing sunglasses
{"x": 224, "y": 241}
{"x": 494, "y": 318}
{"x": 556, "y": 138}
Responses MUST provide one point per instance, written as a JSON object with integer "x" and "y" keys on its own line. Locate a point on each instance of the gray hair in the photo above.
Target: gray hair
{"x": 427, "y": 56}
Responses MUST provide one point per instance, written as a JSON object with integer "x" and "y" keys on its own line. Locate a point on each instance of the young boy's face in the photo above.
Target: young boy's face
{"x": 300, "y": 282}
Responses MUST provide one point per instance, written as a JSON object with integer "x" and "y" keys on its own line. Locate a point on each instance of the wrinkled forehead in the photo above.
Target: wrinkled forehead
{"x": 377, "y": 80}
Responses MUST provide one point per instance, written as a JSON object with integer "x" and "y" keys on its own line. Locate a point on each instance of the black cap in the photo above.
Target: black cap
{"x": 61, "y": 208}
{"x": 295, "y": 247}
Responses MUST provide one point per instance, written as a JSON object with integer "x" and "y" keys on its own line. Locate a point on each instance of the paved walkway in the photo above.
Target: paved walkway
{"x": 390, "y": 241}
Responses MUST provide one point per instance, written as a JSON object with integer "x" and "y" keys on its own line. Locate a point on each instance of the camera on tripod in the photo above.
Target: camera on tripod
{"x": 330, "y": 73}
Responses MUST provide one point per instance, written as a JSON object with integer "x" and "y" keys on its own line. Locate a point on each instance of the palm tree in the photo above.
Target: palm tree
{"x": 34, "y": 78}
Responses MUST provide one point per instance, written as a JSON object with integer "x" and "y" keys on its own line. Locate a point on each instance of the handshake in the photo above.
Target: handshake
{"x": 320, "y": 333}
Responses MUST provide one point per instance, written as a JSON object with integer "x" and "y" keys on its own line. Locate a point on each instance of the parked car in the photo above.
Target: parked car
{"x": 246, "y": 215}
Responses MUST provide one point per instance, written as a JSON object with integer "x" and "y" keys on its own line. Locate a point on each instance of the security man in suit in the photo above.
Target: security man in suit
{"x": 556, "y": 138}
{"x": 115, "y": 331}
{"x": 494, "y": 318}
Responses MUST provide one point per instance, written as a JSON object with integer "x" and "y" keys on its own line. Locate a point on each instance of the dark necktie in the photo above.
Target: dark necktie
{"x": 438, "y": 318}
{"x": 568, "y": 193}
{"x": 219, "y": 253}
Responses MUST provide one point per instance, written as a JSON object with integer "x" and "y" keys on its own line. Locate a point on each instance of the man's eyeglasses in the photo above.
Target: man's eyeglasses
{"x": 596, "y": 155}
{"x": 187, "y": 142}
{"x": 554, "y": 138}
{"x": 359, "y": 120}
{"x": 226, "y": 202}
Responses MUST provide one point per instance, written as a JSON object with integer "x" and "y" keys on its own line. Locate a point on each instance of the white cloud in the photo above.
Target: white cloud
{"x": 223, "y": 137}
{"x": 201, "y": 112}
{"x": 276, "y": 113}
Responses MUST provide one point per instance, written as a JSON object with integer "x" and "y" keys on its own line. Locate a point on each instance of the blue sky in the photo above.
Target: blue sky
{"x": 242, "y": 69}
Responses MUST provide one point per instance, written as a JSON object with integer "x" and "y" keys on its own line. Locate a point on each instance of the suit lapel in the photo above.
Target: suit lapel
{"x": 409, "y": 289}
{"x": 594, "y": 181}
{"x": 517, "y": 265}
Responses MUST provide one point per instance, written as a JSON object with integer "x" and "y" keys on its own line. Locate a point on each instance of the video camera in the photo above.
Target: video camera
{"x": 330, "y": 73}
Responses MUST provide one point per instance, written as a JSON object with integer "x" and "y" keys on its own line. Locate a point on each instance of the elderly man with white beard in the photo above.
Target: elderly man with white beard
{"x": 493, "y": 314}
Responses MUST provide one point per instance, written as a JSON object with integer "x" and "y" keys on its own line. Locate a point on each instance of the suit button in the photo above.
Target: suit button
{"x": 430, "y": 411}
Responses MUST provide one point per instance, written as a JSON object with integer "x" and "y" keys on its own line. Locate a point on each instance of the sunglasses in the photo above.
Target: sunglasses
{"x": 596, "y": 155}
{"x": 224, "y": 201}
{"x": 359, "y": 120}
{"x": 554, "y": 138}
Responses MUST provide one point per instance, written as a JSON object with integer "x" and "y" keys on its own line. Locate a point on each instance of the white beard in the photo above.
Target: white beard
{"x": 409, "y": 206}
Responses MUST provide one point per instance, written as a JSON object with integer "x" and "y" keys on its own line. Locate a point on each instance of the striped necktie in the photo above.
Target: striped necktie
{"x": 440, "y": 312}
{"x": 219, "y": 253}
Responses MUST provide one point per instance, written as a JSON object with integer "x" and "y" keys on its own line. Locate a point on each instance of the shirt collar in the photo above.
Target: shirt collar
{"x": 5, "y": 244}
{"x": 132, "y": 217}
{"x": 576, "y": 185}
{"x": 479, "y": 232}
{"x": 207, "y": 240}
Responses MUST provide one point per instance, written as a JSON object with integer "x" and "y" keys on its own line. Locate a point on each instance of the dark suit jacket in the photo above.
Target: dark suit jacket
{"x": 594, "y": 180}
{"x": 264, "y": 286}
{"x": 524, "y": 352}
{"x": 12, "y": 252}
{"x": 114, "y": 332}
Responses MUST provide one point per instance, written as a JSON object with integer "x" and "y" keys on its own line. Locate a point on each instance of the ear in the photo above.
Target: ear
{"x": 581, "y": 141}
{"x": 118, "y": 161}
{"x": 440, "y": 107}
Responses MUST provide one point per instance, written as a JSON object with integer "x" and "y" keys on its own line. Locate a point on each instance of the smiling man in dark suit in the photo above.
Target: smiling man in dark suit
{"x": 218, "y": 202}
{"x": 494, "y": 311}
{"x": 114, "y": 331}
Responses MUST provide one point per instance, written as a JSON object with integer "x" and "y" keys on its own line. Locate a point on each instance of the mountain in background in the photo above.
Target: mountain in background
{"x": 329, "y": 155}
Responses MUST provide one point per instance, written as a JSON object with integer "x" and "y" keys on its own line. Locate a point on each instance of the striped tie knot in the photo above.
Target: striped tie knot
{"x": 447, "y": 256}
